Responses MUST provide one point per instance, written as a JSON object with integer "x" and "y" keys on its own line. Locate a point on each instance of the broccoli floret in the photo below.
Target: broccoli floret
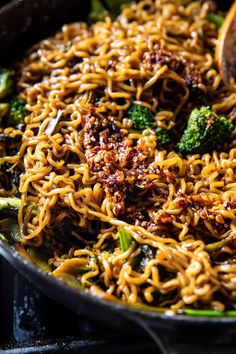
{"x": 163, "y": 137}
{"x": 17, "y": 112}
{"x": 205, "y": 131}
{"x": 115, "y": 6}
{"x": 101, "y": 8}
{"x": 142, "y": 117}
{"x": 6, "y": 82}
{"x": 98, "y": 11}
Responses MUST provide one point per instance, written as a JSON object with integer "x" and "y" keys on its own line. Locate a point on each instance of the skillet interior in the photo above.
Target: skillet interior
{"x": 23, "y": 22}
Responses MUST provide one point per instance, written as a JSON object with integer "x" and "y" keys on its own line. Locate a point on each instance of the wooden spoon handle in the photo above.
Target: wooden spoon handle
{"x": 226, "y": 48}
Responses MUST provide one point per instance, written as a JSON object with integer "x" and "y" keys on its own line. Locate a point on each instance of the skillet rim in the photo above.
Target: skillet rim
{"x": 14, "y": 258}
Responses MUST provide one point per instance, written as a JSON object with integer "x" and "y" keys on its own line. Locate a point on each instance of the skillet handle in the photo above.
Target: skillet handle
{"x": 174, "y": 345}
{"x": 194, "y": 340}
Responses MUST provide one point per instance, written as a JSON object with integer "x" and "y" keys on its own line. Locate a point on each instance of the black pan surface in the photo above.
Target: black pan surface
{"x": 22, "y": 23}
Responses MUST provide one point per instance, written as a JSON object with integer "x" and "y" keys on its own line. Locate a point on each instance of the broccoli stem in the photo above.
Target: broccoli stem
{"x": 10, "y": 203}
{"x": 215, "y": 246}
{"x": 125, "y": 239}
{"x": 10, "y": 206}
{"x": 4, "y": 108}
{"x": 3, "y": 238}
{"x": 211, "y": 313}
{"x": 40, "y": 259}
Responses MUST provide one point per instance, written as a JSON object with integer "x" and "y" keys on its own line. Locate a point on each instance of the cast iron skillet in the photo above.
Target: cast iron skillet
{"x": 23, "y": 22}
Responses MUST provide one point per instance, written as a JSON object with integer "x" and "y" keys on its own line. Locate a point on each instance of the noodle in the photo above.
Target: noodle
{"x": 77, "y": 86}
